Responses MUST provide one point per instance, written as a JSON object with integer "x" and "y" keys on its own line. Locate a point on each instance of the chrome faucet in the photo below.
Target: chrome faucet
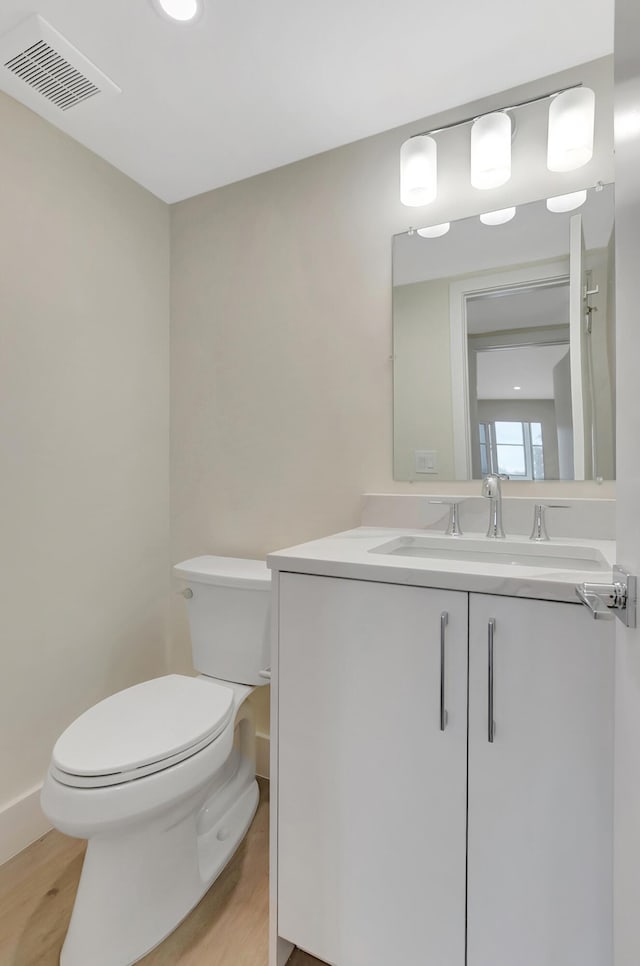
{"x": 539, "y": 532}
{"x": 453, "y": 527}
{"x": 492, "y": 490}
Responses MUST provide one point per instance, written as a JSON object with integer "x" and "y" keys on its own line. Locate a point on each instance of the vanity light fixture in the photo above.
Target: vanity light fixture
{"x": 500, "y": 217}
{"x": 568, "y": 202}
{"x": 570, "y": 144}
{"x": 491, "y": 150}
{"x": 571, "y": 126}
{"x": 418, "y": 171}
{"x": 435, "y": 231}
{"x": 181, "y": 11}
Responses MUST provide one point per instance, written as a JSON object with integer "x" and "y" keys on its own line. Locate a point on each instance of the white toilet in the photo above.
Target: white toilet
{"x": 160, "y": 778}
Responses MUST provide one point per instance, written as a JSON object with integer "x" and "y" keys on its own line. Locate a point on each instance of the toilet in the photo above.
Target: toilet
{"x": 160, "y": 777}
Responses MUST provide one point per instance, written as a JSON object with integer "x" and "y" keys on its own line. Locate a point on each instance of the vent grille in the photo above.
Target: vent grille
{"x": 44, "y": 69}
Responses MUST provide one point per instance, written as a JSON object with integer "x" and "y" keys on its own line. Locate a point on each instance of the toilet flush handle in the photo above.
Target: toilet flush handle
{"x": 187, "y": 592}
{"x": 265, "y": 673}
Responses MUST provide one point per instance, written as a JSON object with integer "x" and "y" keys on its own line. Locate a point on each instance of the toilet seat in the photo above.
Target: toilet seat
{"x": 142, "y": 730}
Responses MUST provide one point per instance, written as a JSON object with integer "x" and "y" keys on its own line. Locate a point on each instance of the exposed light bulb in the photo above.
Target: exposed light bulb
{"x": 500, "y": 217}
{"x": 571, "y": 127}
{"x": 180, "y": 10}
{"x": 491, "y": 150}
{"x": 418, "y": 171}
{"x": 568, "y": 202}
{"x": 435, "y": 231}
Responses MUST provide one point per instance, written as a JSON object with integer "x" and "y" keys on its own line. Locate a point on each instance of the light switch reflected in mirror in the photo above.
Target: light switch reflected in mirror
{"x": 504, "y": 347}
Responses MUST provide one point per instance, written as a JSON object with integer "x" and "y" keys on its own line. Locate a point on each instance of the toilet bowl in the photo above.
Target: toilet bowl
{"x": 160, "y": 778}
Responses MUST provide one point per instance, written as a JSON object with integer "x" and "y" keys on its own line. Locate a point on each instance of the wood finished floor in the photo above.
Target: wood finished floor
{"x": 229, "y": 927}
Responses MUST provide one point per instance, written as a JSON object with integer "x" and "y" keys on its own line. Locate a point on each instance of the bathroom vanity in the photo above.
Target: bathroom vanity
{"x": 443, "y": 752}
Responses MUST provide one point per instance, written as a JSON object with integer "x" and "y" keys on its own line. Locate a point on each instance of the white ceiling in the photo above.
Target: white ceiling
{"x": 529, "y": 367}
{"x": 539, "y": 306}
{"x": 253, "y": 86}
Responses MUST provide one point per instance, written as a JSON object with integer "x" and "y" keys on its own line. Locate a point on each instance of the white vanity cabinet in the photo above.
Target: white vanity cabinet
{"x": 371, "y": 792}
{"x": 540, "y": 884}
{"x": 404, "y": 834}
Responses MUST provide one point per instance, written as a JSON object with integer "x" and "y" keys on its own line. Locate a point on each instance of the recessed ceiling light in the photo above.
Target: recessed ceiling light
{"x": 183, "y": 11}
{"x": 517, "y": 387}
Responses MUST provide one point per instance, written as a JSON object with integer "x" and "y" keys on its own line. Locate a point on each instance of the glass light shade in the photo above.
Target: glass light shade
{"x": 497, "y": 217}
{"x": 418, "y": 171}
{"x": 571, "y": 125}
{"x": 435, "y": 231}
{"x": 182, "y": 10}
{"x": 568, "y": 202}
{"x": 491, "y": 150}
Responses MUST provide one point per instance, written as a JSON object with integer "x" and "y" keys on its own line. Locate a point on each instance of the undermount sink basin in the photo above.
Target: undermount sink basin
{"x": 557, "y": 556}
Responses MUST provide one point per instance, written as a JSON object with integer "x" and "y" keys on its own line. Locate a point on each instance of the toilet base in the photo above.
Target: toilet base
{"x": 136, "y": 887}
{"x": 131, "y": 898}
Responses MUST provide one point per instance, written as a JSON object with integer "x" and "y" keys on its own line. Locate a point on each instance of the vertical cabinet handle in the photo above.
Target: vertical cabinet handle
{"x": 491, "y": 723}
{"x": 444, "y": 620}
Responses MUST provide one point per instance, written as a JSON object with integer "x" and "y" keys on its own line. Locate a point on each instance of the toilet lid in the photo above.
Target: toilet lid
{"x": 226, "y": 572}
{"x": 144, "y": 725}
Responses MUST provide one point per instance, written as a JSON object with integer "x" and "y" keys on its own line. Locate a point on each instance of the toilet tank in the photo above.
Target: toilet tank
{"x": 228, "y": 611}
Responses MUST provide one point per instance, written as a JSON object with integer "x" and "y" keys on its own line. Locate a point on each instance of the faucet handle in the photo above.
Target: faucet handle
{"x": 453, "y": 527}
{"x": 539, "y": 531}
{"x": 492, "y": 485}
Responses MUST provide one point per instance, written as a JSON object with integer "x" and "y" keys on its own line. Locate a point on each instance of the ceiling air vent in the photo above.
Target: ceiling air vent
{"x": 44, "y": 71}
{"x": 52, "y": 76}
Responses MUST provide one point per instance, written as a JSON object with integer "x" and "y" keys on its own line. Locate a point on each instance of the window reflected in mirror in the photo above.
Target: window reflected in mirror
{"x": 512, "y": 449}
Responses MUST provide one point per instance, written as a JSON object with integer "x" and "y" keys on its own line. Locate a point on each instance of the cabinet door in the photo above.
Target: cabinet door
{"x": 372, "y": 793}
{"x": 540, "y": 795}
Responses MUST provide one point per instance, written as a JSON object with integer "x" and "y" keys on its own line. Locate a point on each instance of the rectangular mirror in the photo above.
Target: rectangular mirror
{"x": 504, "y": 346}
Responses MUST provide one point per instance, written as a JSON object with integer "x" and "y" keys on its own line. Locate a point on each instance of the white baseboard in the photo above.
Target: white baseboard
{"x": 21, "y": 823}
{"x": 285, "y": 948}
{"x": 262, "y": 755}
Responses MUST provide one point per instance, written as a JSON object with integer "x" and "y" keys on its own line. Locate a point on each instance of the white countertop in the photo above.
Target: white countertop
{"x": 349, "y": 555}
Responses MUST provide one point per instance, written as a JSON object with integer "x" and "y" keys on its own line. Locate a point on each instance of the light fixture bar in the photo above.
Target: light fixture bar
{"x": 497, "y": 110}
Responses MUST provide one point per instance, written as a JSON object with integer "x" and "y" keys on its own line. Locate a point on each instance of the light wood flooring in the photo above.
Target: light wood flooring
{"x": 229, "y": 927}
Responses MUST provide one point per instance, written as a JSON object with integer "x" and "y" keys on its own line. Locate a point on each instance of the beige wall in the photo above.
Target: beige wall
{"x": 422, "y": 417}
{"x": 84, "y": 259}
{"x": 281, "y": 382}
{"x": 281, "y": 335}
